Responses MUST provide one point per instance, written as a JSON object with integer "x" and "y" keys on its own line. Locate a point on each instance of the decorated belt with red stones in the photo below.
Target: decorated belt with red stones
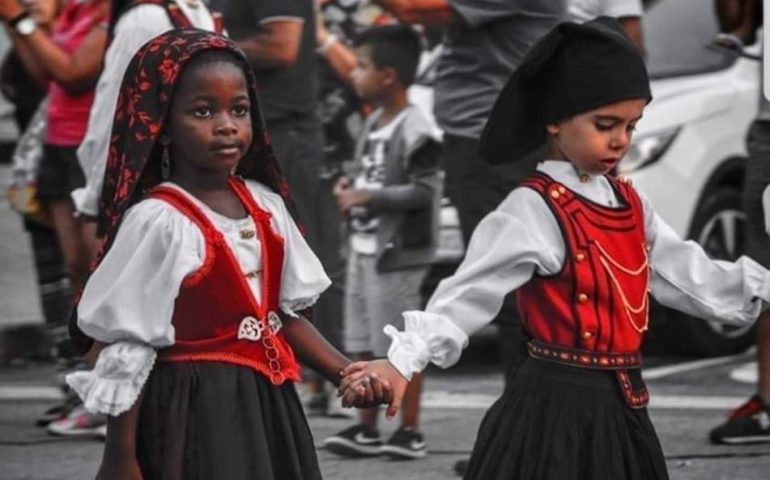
{"x": 584, "y": 358}
{"x": 625, "y": 366}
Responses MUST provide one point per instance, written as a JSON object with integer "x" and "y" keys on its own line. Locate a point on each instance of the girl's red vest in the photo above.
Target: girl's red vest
{"x": 599, "y": 300}
{"x": 216, "y": 317}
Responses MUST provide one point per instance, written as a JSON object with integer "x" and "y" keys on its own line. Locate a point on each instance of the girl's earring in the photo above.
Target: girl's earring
{"x": 165, "y": 163}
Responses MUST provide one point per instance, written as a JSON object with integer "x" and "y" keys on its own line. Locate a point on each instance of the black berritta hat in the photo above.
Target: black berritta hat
{"x": 575, "y": 68}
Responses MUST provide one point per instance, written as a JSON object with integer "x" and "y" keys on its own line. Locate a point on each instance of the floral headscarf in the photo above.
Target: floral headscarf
{"x": 141, "y": 114}
{"x": 140, "y": 117}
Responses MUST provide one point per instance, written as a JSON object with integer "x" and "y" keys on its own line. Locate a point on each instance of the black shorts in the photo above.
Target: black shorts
{"x": 59, "y": 173}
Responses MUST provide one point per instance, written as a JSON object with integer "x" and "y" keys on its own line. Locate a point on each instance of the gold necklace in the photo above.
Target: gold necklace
{"x": 629, "y": 309}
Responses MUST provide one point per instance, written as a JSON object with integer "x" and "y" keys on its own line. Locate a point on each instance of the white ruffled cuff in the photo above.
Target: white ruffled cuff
{"x": 114, "y": 384}
{"x": 291, "y": 307}
{"x": 427, "y": 338}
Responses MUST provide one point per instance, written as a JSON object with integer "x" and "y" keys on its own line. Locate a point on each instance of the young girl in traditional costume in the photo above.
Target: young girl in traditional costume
{"x": 582, "y": 249}
{"x": 197, "y": 297}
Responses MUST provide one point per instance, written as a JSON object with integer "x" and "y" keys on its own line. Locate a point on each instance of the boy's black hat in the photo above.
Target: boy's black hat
{"x": 573, "y": 69}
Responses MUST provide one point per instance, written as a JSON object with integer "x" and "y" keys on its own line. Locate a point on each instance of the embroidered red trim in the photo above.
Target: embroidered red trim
{"x": 276, "y": 378}
{"x": 584, "y": 358}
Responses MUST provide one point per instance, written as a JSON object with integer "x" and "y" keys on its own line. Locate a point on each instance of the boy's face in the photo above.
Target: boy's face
{"x": 210, "y": 119}
{"x": 595, "y": 141}
{"x": 369, "y": 81}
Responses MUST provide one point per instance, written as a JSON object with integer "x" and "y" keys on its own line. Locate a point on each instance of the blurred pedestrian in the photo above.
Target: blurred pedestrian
{"x": 69, "y": 61}
{"x": 279, "y": 40}
{"x": 26, "y": 93}
{"x": 195, "y": 298}
{"x": 392, "y": 202}
{"x": 132, "y": 24}
{"x": 584, "y": 251}
{"x": 750, "y": 422}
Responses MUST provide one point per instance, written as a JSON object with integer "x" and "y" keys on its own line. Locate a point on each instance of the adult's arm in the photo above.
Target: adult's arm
{"x": 276, "y": 45}
{"x": 76, "y": 72}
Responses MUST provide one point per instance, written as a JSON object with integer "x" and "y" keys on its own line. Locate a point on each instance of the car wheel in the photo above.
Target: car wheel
{"x": 718, "y": 227}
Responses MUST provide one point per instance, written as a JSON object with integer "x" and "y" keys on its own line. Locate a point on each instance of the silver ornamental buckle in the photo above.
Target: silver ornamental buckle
{"x": 251, "y": 329}
{"x": 274, "y": 322}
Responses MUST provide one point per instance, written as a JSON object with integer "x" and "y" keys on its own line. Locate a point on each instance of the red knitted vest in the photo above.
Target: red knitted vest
{"x": 599, "y": 300}
{"x": 216, "y": 317}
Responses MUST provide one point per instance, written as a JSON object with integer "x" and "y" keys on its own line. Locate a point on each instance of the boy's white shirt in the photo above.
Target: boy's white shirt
{"x": 129, "y": 300}
{"x": 137, "y": 27}
{"x": 522, "y": 236}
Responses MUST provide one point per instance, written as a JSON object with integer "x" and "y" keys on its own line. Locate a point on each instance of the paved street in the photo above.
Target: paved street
{"x": 689, "y": 397}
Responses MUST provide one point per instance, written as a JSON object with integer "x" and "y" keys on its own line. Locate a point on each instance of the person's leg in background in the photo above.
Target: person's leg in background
{"x": 751, "y": 421}
{"x": 59, "y": 174}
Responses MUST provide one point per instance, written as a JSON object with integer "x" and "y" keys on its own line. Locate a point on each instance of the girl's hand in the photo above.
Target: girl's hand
{"x": 10, "y": 9}
{"x": 358, "y": 376}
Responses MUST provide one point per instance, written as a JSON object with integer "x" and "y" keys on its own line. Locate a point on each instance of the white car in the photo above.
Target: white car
{"x": 688, "y": 154}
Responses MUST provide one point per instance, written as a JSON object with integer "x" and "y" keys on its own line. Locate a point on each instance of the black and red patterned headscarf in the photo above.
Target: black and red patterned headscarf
{"x": 141, "y": 116}
{"x": 145, "y": 99}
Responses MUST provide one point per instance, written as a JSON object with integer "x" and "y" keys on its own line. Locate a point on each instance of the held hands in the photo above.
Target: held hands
{"x": 366, "y": 380}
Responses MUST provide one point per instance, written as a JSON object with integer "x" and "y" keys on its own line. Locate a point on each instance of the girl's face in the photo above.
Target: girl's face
{"x": 369, "y": 81}
{"x": 595, "y": 141}
{"x": 210, "y": 119}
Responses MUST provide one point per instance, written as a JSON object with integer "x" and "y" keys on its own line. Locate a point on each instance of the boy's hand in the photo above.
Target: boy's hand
{"x": 342, "y": 184}
{"x": 358, "y": 376}
{"x": 349, "y": 198}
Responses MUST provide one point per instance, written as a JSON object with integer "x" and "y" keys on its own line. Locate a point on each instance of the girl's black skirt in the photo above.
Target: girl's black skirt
{"x": 213, "y": 421}
{"x": 556, "y": 422}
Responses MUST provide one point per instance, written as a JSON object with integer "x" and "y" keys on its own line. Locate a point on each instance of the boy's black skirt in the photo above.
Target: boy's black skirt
{"x": 214, "y": 421}
{"x": 557, "y": 422}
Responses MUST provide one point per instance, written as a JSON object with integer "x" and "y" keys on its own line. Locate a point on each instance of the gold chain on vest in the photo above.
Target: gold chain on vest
{"x": 630, "y": 310}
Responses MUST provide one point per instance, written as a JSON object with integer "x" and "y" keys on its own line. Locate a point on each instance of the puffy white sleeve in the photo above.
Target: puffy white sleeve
{"x": 508, "y": 246}
{"x": 686, "y": 279}
{"x": 137, "y": 27}
{"x": 129, "y": 300}
{"x": 304, "y": 278}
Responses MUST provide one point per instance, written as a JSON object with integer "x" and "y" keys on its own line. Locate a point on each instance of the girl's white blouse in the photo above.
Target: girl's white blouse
{"x": 522, "y": 236}
{"x": 129, "y": 300}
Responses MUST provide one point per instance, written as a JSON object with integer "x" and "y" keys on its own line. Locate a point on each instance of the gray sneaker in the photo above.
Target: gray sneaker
{"x": 406, "y": 444}
{"x": 356, "y": 441}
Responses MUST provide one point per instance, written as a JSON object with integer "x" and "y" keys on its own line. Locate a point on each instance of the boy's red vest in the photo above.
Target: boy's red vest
{"x": 599, "y": 300}
{"x": 216, "y": 317}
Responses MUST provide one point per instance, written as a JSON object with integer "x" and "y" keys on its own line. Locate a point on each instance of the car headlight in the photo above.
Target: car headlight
{"x": 647, "y": 149}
